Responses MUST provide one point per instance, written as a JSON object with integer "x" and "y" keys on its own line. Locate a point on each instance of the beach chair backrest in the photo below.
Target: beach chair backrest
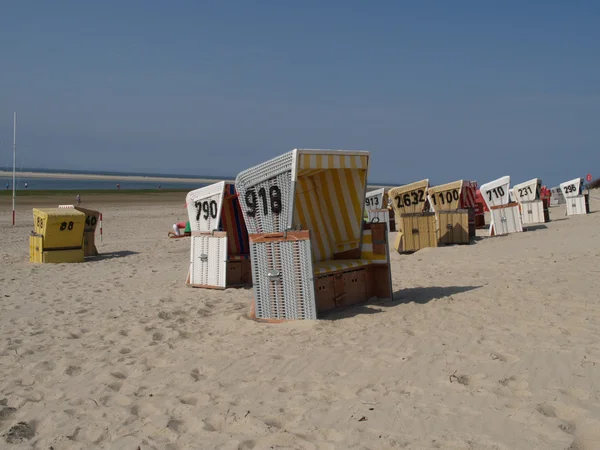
{"x": 266, "y": 195}
{"x": 445, "y": 197}
{"x": 204, "y": 207}
{"x": 528, "y": 191}
{"x": 318, "y": 190}
{"x": 496, "y": 193}
{"x": 556, "y": 196}
{"x": 572, "y": 188}
{"x": 375, "y": 200}
{"x": 410, "y": 198}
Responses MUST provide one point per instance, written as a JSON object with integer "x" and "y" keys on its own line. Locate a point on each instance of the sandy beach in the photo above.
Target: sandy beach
{"x": 494, "y": 345}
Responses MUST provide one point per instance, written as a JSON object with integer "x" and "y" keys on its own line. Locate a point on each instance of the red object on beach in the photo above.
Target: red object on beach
{"x": 469, "y": 195}
{"x": 589, "y": 177}
{"x": 545, "y": 193}
{"x": 481, "y": 206}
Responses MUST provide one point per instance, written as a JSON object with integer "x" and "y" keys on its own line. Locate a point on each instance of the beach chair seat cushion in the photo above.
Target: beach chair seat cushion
{"x": 338, "y": 265}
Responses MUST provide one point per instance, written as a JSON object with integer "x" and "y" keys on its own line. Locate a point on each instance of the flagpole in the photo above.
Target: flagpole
{"x": 14, "y": 163}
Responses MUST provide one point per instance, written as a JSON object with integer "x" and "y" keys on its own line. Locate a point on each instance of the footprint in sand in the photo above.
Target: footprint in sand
{"x": 115, "y": 386}
{"x": 498, "y": 357}
{"x": 189, "y": 400}
{"x": 119, "y": 375}
{"x": 20, "y": 432}
{"x": 158, "y": 336}
{"x": 196, "y": 375}
{"x": 73, "y": 371}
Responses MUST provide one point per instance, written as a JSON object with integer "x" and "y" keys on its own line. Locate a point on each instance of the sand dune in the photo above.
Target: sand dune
{"x": 495, "y": 345}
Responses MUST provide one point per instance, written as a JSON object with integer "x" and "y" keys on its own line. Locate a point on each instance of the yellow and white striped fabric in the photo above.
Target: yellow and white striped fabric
{"x": 329, "y": 202}
{"x": 319, "y": 161}
{"x": 367, "y": 250}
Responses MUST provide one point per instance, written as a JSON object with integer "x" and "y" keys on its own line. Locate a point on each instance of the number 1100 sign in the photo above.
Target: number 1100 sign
{"x": 445, "y": 197}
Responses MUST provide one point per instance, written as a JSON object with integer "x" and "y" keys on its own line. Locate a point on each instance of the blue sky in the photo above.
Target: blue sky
{"x": 434, "y": 89}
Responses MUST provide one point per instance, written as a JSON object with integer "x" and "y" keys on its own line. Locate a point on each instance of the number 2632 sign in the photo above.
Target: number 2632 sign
{"x": 410, "y": 198}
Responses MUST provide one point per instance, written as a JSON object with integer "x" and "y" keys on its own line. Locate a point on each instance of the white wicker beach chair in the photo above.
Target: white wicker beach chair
{"x": 505, "y": 215}
{"x": 219, "y": 255}
{"x": 528, "y": 196}
{"x": 577, "y": 202}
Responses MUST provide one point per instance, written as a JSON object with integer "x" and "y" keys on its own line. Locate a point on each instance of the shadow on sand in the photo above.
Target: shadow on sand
{"x": 112, "y": 255}
{"x": 535, "y": 227}
{"x": 420, "y": 295}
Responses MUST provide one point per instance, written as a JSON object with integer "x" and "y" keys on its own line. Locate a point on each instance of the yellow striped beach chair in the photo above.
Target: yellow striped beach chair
{"x": 310, "y": 248}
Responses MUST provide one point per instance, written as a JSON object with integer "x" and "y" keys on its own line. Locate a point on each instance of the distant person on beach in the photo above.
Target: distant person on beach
{"x": 7, "y": 186}
{"x": 118, "y": 186}
{"x": 25, "y": 185}
{"x": 78, "y": 199}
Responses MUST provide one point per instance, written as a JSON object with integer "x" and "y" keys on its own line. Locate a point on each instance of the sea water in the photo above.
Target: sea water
{"x": 78, "y": 184}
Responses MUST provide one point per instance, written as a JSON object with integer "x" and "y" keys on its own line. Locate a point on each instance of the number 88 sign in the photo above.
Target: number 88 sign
{"x": 496, "y": 193}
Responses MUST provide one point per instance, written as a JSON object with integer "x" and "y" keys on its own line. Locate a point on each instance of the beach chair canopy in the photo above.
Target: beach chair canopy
{"x": 376, "y": 199}
{"x": 410, "y": 198}
{"x": 216, "y": 208}
{"x": 572, "y": 188}
{"x": 322, "y": 191}
{"x": 446, "y": 197}
{"x": 528, "y": 191}
{"x": 497, "y": 192}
